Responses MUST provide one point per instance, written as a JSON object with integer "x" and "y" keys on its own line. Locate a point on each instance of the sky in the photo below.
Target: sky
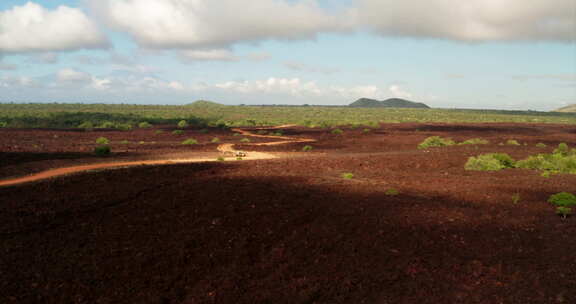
{"x": 495, "y": 54}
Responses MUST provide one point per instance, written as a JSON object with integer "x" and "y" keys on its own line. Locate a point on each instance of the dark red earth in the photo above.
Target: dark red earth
{"x": 287, "y": 230}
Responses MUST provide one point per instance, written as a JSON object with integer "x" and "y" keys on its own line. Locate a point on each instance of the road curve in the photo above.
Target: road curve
{"x": 226, "y": 149}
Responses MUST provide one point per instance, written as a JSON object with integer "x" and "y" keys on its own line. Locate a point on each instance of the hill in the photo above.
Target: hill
{"x": 570, "y": 108}
{"x": 388, "y": 103}
{"x": 205, "y": 104}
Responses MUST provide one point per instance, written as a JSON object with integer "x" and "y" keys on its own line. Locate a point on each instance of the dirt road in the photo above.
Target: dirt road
{"x": 226, "y": 149}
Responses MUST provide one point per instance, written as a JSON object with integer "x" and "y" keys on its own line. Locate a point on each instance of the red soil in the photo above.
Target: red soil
{"x": 291, "y": 230}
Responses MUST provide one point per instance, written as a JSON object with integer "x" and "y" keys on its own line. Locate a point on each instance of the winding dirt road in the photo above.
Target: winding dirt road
{"x": 227, "y": 151}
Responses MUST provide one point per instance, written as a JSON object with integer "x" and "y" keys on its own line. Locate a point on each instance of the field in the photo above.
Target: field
{"x": 363, "y": 216}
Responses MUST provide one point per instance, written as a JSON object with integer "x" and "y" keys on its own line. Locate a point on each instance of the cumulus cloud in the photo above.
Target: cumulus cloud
{"x": 471, "y": 20}
{"x": 188, "y": 24}
{"x": 32, "y": 28}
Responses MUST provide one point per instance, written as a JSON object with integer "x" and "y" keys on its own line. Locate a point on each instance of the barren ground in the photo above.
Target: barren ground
{"x": 285, "y": 230}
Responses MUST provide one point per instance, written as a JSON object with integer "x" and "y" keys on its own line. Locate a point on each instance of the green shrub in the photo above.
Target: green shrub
{"x": 337, "y": 131}
{"x": 563, "y": 202}
{"x": 554, "y": 163}
{"x": 124, "y": 142}
{"x": 435, "y": 141}
{"x": 203, "y": 131}
{"x": 190, "y": 141}
{"x": 365, "y": 131}
{"x": 102, "y": 141}
{"x": 182, "y": 124}
{"x": 262, "y": 132}
{"x": 563, "y": 199}
{"x": 515, "y": 198}
{"x": 562, "y": 149}
{"x": 158, "y": 132}
{"x": 107, "y": 125}
{"x": 215, "y": 140}
{"x": 489, "y": 162}
{"x": 102, "y": 150}
{"x": 237, "y": 134}
{"x": 87, "y": 125}
{"x": 475, "y": 141}
{"x": 392, "y": 192}
{"x": 245, "y": 140}
{"x": 144, "y": 125}
{"x": 541, "y": 145}
{"x": 123, "y": 127}
{"x": 177, "y": 132}
{"x": 347, "y": 175}
{"x": 220, "y": 158}
{"x": 3, "y": 124}
{"x": 307, "y": 148}
{"x": 512, "y": 142}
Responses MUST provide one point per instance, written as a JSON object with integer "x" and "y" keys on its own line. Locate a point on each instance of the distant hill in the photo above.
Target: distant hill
{"x": 570, "y": 108}
{"x": 205, "y": 104}
{"x": 388, "y": 103}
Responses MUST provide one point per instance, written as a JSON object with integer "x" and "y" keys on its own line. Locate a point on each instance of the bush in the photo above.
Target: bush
{"x": 512, "y": 142}
{"x": 182, "y": 124}
{"x": 555, "y": 163}
{"x": 87, "y": 125}
{"x": 475, "y": 141}
{"x": 124, "y": 142}
{"x": 190, "y": 141}
{"x": 436, "y": 141}
{"x": 563, "y": 199}
{"x": 245, "y": 140}
{"x": 489, "y": 162}
{"x": 563, "y": 202}
{"x": 307, "y": 148}
{"x": 337, "y": 131}
{"x": 3, "y": 124}
{"x": 177, "y": 132}
{"x": 220, "y": 158}
{"x": 541, "y": 145}
{"x": 144, "y": 125}
{"x": 562, "y": 149}
{"x": 102, "y": 141}
{"x": 158, "y": 132}
{"x": 365, "y": 131}
{"x": 123, "y": 127}
{"x": 347, "y": 175}
{"x": 102, "y": 150}
{"x": 215, "y": 140}
{"x": 392, "y": 192}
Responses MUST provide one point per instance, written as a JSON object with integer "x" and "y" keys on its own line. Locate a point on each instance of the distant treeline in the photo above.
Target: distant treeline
{"x": 126, "y": 116}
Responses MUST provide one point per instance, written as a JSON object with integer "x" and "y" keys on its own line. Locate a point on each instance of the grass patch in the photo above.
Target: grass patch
{"x": 436, "y": 141}
{"x": 392, "y": 192}
{"x": 475, "y": 141}
{"x": 307, "y": 148}
{"x": 102, "y": 141}
{"x": 347, "y": 175}
{"x": 190, "y": 141}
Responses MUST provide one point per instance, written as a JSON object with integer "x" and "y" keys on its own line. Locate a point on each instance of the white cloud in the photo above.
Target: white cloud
{"x": 12, "y": 82}
{"x": 471, "y": 20}
{"x": 32, "y": 28}
{"x": 188, "y": 24}
{"x": 297, "y": 66}
{"x": 398, "y": 92}
{"x": 208, "y": 55}
{"x": 70, "y": 75}
{"x": 189, "y": 56}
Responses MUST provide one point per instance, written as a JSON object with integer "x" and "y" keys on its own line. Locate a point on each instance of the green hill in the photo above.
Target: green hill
{"x": 205, "y": 104}
{"x": 388, "y": 103}
{"x": 570, "y": 108}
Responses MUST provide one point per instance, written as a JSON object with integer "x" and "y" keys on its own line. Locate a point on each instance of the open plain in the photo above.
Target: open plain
{"x": 410, "y": 226}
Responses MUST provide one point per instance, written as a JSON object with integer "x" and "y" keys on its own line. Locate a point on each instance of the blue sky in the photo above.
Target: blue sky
{"x": 446, "y": 53}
